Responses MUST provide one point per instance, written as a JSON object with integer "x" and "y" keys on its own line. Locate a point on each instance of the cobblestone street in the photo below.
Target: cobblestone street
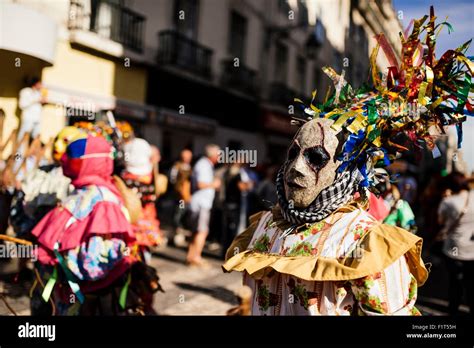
{"x": 188, "y": 291}
{"x": 194, "y": 291}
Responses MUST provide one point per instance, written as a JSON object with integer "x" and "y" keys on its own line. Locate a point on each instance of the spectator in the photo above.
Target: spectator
{"x": 400, "y": 213}
{"x": 408, "y": 188}
{"x": 180, "y": 176}
{"x": 266, "y": 189}
{"x": 237, "y": 184}
{"x": 204, "y": 186}
{"x": 456, "y": 214}
{"x": 30, "y": 103}
{"x": 139, "y": 176}
{"x": 248, "y": 181}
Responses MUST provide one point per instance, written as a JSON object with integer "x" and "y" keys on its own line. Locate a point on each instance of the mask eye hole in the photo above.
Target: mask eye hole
{"x": 293, "y": 152}
{"x": 317, "y": 157}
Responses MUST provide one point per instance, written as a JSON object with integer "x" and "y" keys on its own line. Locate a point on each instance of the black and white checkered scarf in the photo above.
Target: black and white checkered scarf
{"x": 327, "y": 201}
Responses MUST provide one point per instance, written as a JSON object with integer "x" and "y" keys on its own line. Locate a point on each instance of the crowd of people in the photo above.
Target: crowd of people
{"x": 215, "y": 199}
{"x": 86, "y": 199}
{"x": 89, "y": 199}
{"x": 216, "y": 204}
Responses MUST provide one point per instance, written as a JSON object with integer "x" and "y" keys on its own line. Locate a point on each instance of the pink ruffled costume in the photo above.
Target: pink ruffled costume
{"x": 91, "y": 226}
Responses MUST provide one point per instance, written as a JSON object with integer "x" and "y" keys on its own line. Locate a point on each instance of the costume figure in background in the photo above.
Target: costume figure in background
{"x": 138, "y": 176}
{"x": 42, "y": 188}
{"x": 400, "y": 213}
{"x": 319, "y": 252}
{"x": 87, "y": 249}
{"x": 180, "y": 176}
{"x": 112, "y": 132}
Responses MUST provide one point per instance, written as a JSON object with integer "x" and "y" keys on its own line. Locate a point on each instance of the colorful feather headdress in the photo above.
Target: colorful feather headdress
{"x": 410, "y": 104}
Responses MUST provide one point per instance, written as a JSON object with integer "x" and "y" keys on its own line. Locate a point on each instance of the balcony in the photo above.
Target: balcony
{"x": 239, "y": 77}
{"x": 109, "y": 20}
{"x": 26, "y": 31}
{"x": 281, "y": 94}
{"x": 177, "y": 50}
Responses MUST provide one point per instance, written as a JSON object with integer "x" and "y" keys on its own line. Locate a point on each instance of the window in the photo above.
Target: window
{"x": 187, "y": 17}
{"x": 281, "y": 62}
{"x": 114, "y": 20}
{"x": 301, "y": 74}
{"x": 238, "y": 35}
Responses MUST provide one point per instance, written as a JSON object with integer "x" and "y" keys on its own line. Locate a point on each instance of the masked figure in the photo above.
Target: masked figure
{"x": 318, "y": 251}
{"x": 87, "y": 253}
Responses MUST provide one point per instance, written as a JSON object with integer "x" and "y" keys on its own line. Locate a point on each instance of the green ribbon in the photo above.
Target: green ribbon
{"x": 372, "y": 112}
{"x": 124, "y": 292}
{"x": 373, "y": 135}
{"x": 463, "y": 92}
{"x": 48, "y": 289}
{"x": 70, "y": 278}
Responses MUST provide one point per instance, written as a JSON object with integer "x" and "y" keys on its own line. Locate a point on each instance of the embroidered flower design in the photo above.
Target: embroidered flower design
{"x": 302, "y": 249}
{"x": 373, "y": 303}
{"x": 265, "y": 298}
{"x": 300, "y": 293}
{"x": 412, "y": 289}
{"x": 360, "y": 230}
{"x": 341, "y": 292}
{"x": 365, "y": 282}
{"x": 314, "y": 229}
{"x": 262, "y": 244}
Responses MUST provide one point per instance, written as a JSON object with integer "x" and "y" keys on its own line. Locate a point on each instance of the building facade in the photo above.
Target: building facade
{"x": 190, "y": 72}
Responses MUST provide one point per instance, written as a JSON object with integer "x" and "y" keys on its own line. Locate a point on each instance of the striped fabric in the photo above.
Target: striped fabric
{"x": 328, "y": 200}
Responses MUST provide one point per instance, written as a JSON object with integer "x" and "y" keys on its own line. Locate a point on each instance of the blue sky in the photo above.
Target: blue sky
{"x": 461, "y": 16}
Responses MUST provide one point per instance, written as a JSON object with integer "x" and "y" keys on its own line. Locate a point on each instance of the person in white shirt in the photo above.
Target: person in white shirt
{"x": 30, "y": 103}
{"x": 204, "y": 185}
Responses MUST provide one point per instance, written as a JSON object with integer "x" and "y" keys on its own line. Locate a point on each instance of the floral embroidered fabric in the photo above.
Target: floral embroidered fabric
{"x": 388, "y": 292}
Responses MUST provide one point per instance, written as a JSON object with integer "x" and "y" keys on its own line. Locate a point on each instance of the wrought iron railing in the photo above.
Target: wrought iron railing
{"x": 239, "y": 77}
{"x": 110, "y": 20}
{"x": 178, "y": 50}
